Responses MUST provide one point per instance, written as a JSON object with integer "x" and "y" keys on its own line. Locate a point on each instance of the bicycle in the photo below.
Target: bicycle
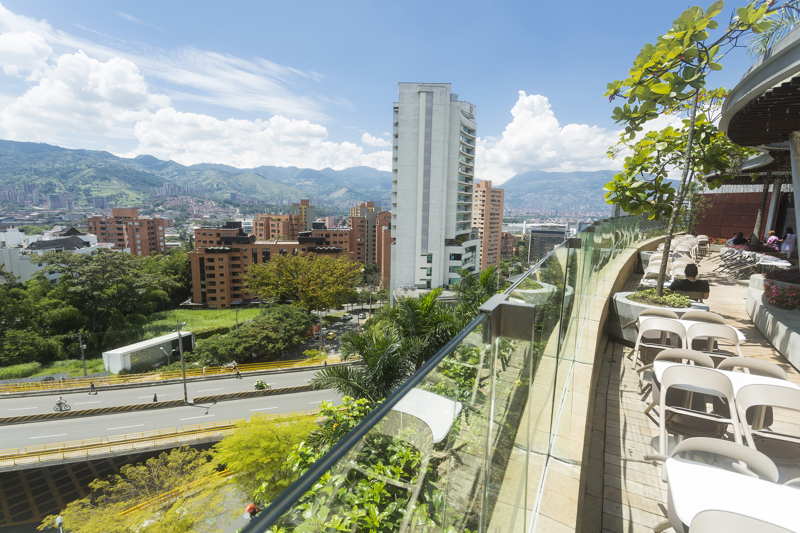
{"x": 61, "y": 406}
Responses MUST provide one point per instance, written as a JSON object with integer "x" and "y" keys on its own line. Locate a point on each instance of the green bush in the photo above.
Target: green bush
{"x": 205, "y": 333}
{"x": 529, "y": 284}
{"x": 669, "y": 298}
{"x": 22, "y": 370}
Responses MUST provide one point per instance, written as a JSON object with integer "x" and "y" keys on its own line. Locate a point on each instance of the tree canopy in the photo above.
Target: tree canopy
{"x": 312, "y": 281}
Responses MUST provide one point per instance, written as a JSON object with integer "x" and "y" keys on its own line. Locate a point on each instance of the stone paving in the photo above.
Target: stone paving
{"x": 632, "y": 494}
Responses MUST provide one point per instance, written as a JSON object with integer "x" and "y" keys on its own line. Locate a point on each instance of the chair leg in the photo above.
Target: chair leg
{"x": 662, "y": 526}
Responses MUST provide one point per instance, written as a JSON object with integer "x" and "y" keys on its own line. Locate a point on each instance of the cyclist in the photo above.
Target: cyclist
{"x": 61, "y": 405}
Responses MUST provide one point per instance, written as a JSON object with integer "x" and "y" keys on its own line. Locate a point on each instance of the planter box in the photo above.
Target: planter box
{"x": 622, "y": 321}
{"x": 780, "y": 326}
{"x": 541, "y": 296}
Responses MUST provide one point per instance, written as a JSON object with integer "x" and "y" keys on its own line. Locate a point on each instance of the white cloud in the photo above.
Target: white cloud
{"x": 377, "y": 142}
{"x": 195, "y": 138}
{"x": 85, "y": 95}
{"x": 535, "y": 140}
{"x": 23, "y": 53}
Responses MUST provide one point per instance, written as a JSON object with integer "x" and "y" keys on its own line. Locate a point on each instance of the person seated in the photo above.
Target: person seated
{"x": 691, "y": 283}
{"x": 737, "y": 240}
{"x": 773, "y": 242}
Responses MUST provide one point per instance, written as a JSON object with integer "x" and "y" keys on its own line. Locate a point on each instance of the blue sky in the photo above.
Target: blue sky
{"x": 303, "y": 82}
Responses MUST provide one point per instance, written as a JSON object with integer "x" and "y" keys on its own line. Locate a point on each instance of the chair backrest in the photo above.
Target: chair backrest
{"x": 703, "y": 316}
{"x": 707, "y": 330}
{"x": 664, "y": 313}
{"x": 759, "y": 367}
{"x": 679, "y": 355}
{"x": 697, "y": 379}
{"x": 757, "y": 463}
{"x": 713, "y": 521}
{"x": 656, "y": 323}
{"x": 766, "y": 395}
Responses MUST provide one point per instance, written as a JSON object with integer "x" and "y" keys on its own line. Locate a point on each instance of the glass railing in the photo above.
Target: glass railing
{"x": 464, "y": 444}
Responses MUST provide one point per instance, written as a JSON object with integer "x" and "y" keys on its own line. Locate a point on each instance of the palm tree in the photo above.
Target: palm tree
{"x": 395, "y": 344}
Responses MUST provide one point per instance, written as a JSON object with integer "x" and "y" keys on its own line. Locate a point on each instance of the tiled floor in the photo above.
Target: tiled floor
{"x": 632, "y": 493}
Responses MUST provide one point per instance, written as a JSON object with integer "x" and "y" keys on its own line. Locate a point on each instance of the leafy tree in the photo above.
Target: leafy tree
{"x": 474, "y": 288}
{"x": 265, "y": 338}
{"x": 668, "y": 77}
{"x": 256, "y": 453}
{"x": 313, "y": 281}
{"x": 99, "y": 511}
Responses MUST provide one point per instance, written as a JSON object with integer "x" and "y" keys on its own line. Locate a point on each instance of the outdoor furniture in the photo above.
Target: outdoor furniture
{"x": 712, "y": 333}
{"x": 703, "y": 316}
{"x": 712, "y": 521}
{"x": 675, "y": 355}
{"x": 737, "y": 379}
{"x": 747, "y": 487}
{"x": 688, "y": 420}
{"x": 782, "y": 448}
{"x": 688, "y": 323}
{"x": 436, "y": 411}
{"x": 664, "y": 328}
{"x": 759, "y": 367}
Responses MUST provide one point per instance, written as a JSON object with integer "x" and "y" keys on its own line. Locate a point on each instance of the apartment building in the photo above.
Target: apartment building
{"x": 432, "y": 186}
{"x": 508, "y": 245}
{"x": 383, "y": 246}
{"x": 268, "y": 227}
{"x": 544, "y": 237}
{"x": 223, "y": 255}
{"x": 487, "y": 218}
{"x": 128, "y": 231}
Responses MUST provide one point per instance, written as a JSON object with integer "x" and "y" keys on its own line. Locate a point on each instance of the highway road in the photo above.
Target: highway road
{"x": 71, "y": 429}
{"x": 31, "y": 405}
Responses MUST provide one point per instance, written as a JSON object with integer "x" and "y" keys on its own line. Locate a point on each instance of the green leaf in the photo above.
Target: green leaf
{"x": 660, "y": 88}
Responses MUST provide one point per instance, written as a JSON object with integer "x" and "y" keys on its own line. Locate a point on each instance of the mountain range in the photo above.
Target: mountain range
{"x": 86, "y": 175}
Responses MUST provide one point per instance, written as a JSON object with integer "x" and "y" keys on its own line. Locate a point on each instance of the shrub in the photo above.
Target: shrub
{"x": 261, "y": 385}
{"x": 781, "y": 296}
{"x": 22, "y": 370}
{"x": 669, "y": 299}
{"x": 315, "y": 354}
{"x": 529, "y": 285}
{"x": 786, "y": 276}
{"x": 205, "y": 333}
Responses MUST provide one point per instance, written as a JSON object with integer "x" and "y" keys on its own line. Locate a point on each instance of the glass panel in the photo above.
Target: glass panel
{"x": 466, "y": 442}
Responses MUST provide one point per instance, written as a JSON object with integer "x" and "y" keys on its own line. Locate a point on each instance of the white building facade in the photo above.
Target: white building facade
{"x": 432, "y": 185}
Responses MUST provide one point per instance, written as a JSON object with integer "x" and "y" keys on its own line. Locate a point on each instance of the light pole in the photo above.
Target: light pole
{"x": 83, "y": 353}
{"x": 167, "y": 353}
{"x": 183, "y": 366}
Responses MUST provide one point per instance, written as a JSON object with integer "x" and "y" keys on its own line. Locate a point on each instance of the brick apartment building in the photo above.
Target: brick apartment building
{"x": 126, "y": 230}
{"x": 487, "y": 218}
{"x": 223, "y": 255}
{"x": 267, "y": 226}
{"x": 508, "y": 245}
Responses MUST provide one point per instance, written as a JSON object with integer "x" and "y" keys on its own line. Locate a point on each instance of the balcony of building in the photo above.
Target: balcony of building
{"x": 533, "y": 418}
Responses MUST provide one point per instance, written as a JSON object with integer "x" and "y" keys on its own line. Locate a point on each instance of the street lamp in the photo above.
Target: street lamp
{"x": 183, "y": 365}
{"x": 83, "y": 353}
{"x": 167, "y": 353}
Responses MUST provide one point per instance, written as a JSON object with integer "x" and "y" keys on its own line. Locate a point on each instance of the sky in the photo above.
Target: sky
{"x": 311, "y": 84}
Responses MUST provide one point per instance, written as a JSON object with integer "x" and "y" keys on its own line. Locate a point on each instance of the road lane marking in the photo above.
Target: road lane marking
{"x": 196, "y": 417}
{"x": 87, "y": 403}
{"x": 125, "y": 427}
{"x": 315, "y": 401}
{"x": 210, "y": 390}
{"x": 49, "y": 436}
{"x": 21, "y": 408}
{"x": 263, "y": 408}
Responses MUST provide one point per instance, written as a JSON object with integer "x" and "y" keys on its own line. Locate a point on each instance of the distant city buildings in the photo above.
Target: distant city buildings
{"x": 128, "y": 231}
{"x": 543, "y": 238}
{"x": 433, "y": 172}
{"x": 508, "y": 245}
{"x": 487, "y": 219}
{"x": 223, "y": 255}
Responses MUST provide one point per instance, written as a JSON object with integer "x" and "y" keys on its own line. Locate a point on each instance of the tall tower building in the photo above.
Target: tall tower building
{"x": 433, "y": 171}
{"x": 487, "y": 218}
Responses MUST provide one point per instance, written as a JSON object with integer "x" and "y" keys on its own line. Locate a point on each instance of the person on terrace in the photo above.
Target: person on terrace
{"x": 773, "y": 242}
{"x": 789, "y": 244}
{"x": 691, "y": 283}
{"x": 737, "y": 240}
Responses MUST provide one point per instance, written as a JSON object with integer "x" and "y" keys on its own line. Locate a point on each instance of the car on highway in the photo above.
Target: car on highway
{"x": 347, "y": 317}
{"x": 362, "y": 315}
{"x": 331, "y": 335}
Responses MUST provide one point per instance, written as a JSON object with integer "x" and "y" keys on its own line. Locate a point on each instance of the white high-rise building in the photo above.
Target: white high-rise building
{"x": 433, "y": 171}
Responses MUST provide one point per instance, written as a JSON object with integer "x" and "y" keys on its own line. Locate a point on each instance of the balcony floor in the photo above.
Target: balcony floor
{"x": 628, "y": 489}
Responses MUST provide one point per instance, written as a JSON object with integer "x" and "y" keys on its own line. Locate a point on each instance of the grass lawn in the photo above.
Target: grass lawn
{"x": 197, "y": 319}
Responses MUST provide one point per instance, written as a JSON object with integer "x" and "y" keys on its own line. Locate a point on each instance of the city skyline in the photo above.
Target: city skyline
{"x": 249, "y": 97}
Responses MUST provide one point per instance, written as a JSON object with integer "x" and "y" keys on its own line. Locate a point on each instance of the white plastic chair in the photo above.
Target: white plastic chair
{"x": 754, "y": 366}
{"x": 740, "y": 458}
{"x": 711, "y": 333}
{"x": 699, "y": 315}
{"x": 675, "y": 355}
{"x": 693, "y": 422}
{"x": 782, "y": 448}
{"x": 713, "y": 521}
{"x": 660, "y": 326}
